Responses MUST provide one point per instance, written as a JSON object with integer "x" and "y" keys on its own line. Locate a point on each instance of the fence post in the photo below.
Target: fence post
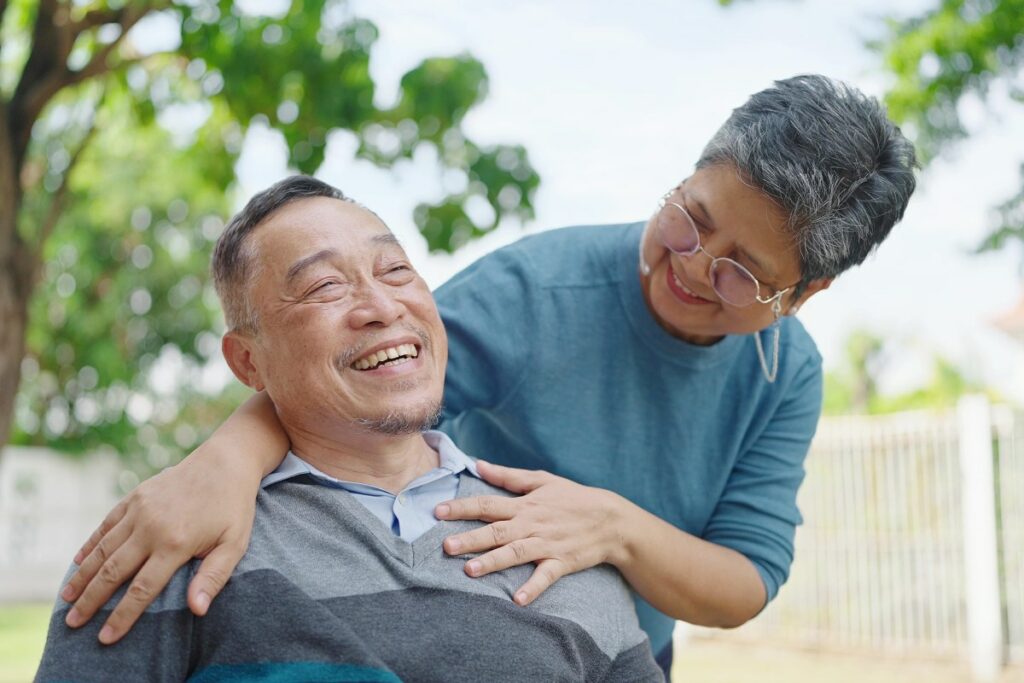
{"x": 981, "y": 573}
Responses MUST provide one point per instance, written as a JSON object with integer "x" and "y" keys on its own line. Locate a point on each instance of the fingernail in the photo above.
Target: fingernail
{"x": 454, "y": 545}
{"x": 79, "y": 557}
{"x": 73, "y": 619}
{"x": 521, "y": 597}
{"x": 442, "y": 511}
{"x": 106, "y": 635}
{"x": 474, "y": 567}
{"x": 203, "y": 600}
{"x": 68, "y": 593}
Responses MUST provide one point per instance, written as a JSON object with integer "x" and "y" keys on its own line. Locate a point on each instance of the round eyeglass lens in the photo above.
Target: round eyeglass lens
{"x": 733, "y": 282}
{"x": 677, "y": 230}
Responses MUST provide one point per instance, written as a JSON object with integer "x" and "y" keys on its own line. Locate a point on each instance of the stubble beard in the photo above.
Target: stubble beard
{"x": 411, "y": 421}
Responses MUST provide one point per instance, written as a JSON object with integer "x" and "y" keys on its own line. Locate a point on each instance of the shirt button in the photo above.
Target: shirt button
{"x": 401, "y": 499}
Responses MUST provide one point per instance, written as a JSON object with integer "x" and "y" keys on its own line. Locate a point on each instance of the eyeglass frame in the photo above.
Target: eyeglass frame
{"x": 775, "y": 298}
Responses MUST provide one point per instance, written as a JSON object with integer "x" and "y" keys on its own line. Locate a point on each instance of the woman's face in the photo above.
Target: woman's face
{"x": 736, "y": 221}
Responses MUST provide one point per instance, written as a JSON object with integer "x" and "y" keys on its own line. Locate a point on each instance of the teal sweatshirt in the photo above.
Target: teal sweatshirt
{"x": 556, "y": 363}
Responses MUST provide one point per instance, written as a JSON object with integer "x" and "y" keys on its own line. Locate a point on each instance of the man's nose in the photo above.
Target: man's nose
{"x": 375, "y": 303}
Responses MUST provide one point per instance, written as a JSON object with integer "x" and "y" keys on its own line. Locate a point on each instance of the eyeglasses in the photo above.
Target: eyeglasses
{"x": 736, "y": 285}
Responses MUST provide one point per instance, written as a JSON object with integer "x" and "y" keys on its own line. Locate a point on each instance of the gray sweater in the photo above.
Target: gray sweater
{"x": 327, "y": 593}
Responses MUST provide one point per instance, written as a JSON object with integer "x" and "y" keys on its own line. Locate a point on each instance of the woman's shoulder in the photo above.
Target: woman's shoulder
{"x": 797, "y": 341}
{"x": 579, "y": 252}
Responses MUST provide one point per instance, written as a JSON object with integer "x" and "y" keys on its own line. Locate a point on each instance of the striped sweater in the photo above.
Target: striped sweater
{"x": 327, "y": 593}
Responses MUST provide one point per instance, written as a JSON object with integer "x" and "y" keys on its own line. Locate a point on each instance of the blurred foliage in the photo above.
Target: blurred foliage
{"x": 957, "y": 51}
{"x": 853, "y": 387}
{"x": 124, "y": 319}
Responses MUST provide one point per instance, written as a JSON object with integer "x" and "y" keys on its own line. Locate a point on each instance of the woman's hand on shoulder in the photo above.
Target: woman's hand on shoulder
{"x": 195, "y": 509}
{"x": 561, "y": 526}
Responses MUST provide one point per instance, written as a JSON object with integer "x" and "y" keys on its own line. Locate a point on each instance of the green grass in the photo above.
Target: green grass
{"x": 22, "y": 636}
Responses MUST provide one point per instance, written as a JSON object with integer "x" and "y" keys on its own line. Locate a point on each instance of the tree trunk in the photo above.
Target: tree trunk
{"x": 15, "y": 285}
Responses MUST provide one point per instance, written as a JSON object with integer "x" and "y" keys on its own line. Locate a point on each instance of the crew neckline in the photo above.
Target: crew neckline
{"x": 669, "y": 348}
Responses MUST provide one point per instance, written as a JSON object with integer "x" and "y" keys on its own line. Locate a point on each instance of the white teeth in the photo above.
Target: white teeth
{"x": 685, "y": 288}
{"x": 389, "y": 355}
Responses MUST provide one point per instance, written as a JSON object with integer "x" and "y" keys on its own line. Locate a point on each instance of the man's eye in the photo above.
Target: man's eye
{"x": 399, "y": 270}
{"x": 324, "y": 285}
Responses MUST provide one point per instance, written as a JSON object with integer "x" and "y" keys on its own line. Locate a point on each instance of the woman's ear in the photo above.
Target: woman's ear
{"x": 812, "y": 288}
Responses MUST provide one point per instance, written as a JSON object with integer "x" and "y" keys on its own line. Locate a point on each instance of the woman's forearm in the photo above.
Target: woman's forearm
{"x": 252, "y": 435}
{"x": 684, "y": 576}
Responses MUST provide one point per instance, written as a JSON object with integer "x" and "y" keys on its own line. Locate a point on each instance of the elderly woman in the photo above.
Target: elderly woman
{"x": 650, "y": 376}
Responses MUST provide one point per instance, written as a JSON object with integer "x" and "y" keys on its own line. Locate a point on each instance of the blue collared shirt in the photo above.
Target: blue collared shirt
{"x": 411, "y": 512}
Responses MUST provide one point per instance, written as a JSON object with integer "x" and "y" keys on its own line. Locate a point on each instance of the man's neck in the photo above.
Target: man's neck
{"x": 381, "y": 460}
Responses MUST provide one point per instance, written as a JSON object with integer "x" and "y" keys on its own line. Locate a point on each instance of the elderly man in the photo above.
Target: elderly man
{"x": 345, "y": 577}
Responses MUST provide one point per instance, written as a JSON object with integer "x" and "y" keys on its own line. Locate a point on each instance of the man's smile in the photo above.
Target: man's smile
{"x": 388, "y": 356}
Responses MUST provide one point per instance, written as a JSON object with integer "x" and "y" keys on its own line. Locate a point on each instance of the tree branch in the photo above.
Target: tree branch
{"x": 56, "y": 207}
{"x": 46, "y": 72}
{"x": 42, "y": 76}
{"x": 98, "y": 17}
{"x": 3, "y": 8}
{"x": 10, "y": 188}
{"x": 98, "y": 64}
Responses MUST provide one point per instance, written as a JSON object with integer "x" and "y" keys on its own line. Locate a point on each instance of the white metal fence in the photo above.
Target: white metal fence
{"x": 1009, "y": 428}
{"x": 883, "y": 558}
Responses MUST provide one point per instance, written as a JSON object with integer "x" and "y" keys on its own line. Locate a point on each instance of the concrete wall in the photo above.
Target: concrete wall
{"x": 49, "y": 504}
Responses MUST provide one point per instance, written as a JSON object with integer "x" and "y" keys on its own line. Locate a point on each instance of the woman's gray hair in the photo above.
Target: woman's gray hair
{"x": 233, "y": 264}
{"x": 831, "y": 158}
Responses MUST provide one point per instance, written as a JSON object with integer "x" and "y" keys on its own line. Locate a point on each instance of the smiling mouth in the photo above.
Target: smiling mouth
{"x": 688, "y": 293}
{"x": 393, "y": 355}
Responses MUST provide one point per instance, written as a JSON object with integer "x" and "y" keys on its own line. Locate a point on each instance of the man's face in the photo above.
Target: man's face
{"x": 336, "y": 295}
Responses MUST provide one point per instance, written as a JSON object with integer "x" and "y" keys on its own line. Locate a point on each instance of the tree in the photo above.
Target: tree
{"x": 116, "y": 165}
{"x": 957, "y": 49}
{"x": 852, "y": 388}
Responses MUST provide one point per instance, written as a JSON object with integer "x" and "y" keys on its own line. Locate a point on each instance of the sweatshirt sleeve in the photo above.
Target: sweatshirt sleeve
{"x": 158, "y": 648}
{"x": 757, "y": 513}
{"x": 489, "y": 310}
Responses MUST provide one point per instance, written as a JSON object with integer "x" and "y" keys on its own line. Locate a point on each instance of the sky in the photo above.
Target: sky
{"x": 614, "y": 103}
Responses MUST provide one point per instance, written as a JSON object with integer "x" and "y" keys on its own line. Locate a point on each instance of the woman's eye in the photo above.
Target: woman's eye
{"x": 324, "y": 285}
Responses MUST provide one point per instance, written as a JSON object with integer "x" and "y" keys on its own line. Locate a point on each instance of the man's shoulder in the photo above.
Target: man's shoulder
{"x": 596, "y": 599}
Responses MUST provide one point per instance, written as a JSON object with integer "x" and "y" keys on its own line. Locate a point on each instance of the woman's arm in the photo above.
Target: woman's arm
{"x": 565, "y": 527}
{"x": 722, "y": 579}
{"x": 202, "y": 507}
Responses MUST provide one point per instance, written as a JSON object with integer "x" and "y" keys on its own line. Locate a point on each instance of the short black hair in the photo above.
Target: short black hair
{"x": 232, "y": 264}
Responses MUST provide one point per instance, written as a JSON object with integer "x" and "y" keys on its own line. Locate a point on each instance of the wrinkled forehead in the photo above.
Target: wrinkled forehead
{"x": 309, "y": 226}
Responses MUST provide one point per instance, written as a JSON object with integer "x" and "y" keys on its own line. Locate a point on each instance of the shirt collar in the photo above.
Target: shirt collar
{"x": 451, "y": 461}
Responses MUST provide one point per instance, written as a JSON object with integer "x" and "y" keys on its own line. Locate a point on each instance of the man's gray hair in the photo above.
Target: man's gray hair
{"x": 831, "y": 158}
{"x": 233, "y": 265}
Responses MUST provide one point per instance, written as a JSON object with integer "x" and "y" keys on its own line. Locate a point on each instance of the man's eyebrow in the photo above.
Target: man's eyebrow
{"x": 768, "y": 272}
{"x": 307, "y": 261}
{"x": 386, "y": 238}
{"x": 325, "y": 254}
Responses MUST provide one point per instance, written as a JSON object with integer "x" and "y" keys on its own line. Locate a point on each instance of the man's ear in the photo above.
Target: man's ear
{"x": 813, "y": 287}
{"x": 238, "y": 350}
